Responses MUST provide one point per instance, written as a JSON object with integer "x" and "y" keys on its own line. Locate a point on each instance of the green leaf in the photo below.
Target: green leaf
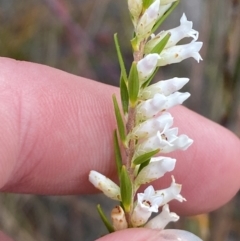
{"x": 120, "y": 58}
{"x": 120, "y": 123}
{"x": 147, "y": 3}
{"x": 145, "y": 84}
{"x": 162, "y": 19}
{"x": 146, "y": 156}
{"x": 118, "y": 156}
{"x": 124, "y": 95}
{"x": 133, "y": 84}
{"x": 144, "y": 164}
{"x": 126, "y": 190}
{"x": 105, "y": 220}
{"x": 161, "y": 45}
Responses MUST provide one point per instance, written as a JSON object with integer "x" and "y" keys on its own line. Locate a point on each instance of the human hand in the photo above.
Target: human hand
{"x": 56, "y": 127}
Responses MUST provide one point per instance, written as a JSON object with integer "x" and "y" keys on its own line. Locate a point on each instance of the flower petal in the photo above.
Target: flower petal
{"x": 161, "y": 220}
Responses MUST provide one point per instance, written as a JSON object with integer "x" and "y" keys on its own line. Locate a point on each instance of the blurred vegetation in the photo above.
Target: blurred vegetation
{"x": 76, "y": 36}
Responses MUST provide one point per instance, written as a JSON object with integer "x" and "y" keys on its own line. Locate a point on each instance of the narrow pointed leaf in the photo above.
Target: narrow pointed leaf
{"x": 144, "y": 164}
{"x": 133, "y": 84}
{"x": 147, "y": 3}
{"x": 104, "y": 219}
{"x": 120, "y": 123}
{"x": 146, "y": 156}
{"x": 124, "y": 95}
{"x": 118, "y": 156}
{"x": 150, "y": 78}
{"x": 120, "y": 58}
{"x": 126, "y": 190}
{"x": 161, "y": 45}
{"x": 162, "y": 19}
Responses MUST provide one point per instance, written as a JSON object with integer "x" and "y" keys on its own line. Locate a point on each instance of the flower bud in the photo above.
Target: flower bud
{"x": 146, "y": 67}
{"x": 164, "y": 87}
{"x": 157, "y": 168}
{"x": 135, "y": 9}
{"x": 118, "y": 218}
{"x": 147, "y": 21}
{"x": 149, "y": 108}
{"x": 108, "y": 187}
{"x": 151, "y": 126}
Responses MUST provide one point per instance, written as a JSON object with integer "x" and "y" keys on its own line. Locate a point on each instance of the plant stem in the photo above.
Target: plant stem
{"x": 131, "y": 122}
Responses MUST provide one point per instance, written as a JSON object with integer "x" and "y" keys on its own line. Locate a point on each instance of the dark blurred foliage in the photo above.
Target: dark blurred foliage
{"x": 77, "y": 36}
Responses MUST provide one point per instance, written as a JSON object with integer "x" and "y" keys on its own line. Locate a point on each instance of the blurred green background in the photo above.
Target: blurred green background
{"x": 77, "y": 36}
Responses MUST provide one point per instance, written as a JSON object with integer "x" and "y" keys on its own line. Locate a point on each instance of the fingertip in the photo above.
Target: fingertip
{"x": 141, "y": 234}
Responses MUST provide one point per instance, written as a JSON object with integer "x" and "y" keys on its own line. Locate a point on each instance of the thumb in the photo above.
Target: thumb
{"x": 141, "y": 234}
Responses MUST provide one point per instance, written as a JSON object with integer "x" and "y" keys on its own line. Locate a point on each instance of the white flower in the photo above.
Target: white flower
{"x": 146, "y": 67}
{"x": 118, "y": 218}
{"x": 151, "y": 126}
{"x": 147, "y": 203}
{"x": 167, "y": 141}
{"x": 178, "y": 53}
{"x": 183, "y": 31}
{"x": 165, "y": 87}
{"x": 149, "y": 108}
{"x": 160, "y": 221}
{"x": 173, "y": 192}
{"x": 135, "y": 9}
{"x": 157, "y": 168}
{"x": 108, "y": 187}
{"x": 147, "y": 21}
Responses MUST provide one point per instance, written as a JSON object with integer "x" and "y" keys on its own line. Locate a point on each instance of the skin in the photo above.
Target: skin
{"x": 55, "y": 127}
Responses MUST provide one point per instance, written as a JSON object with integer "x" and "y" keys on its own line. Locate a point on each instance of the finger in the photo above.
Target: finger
{"x": 56, "y": 127}
{"x": 141, "y": 234}
{"x": 3, "y": 237}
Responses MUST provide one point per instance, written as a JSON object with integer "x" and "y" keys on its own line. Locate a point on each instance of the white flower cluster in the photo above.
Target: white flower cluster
{"x": 153, "y": 129}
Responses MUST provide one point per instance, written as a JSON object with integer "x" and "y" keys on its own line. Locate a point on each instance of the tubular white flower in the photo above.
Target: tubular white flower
{"x": 118, "y": 218}
{"x": 147, "y": 203}
{"x": 173, "y": 192}
{"x": 146, "y": 67}
{"x": 157, "y": 168}
{"x": 184, "y": 30}
{"x": 178, "y": 53}
{"x": 167, "y": 141}
{"x": 161, "y": 221}
{"x": 149, "y": 108}
{"x": 147, "y": 21}
{"x": 151, "y": 126}
{"x": 107, "y": 186}
{"x": 165, "y": 87}
{"x": 135, "y": 9}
